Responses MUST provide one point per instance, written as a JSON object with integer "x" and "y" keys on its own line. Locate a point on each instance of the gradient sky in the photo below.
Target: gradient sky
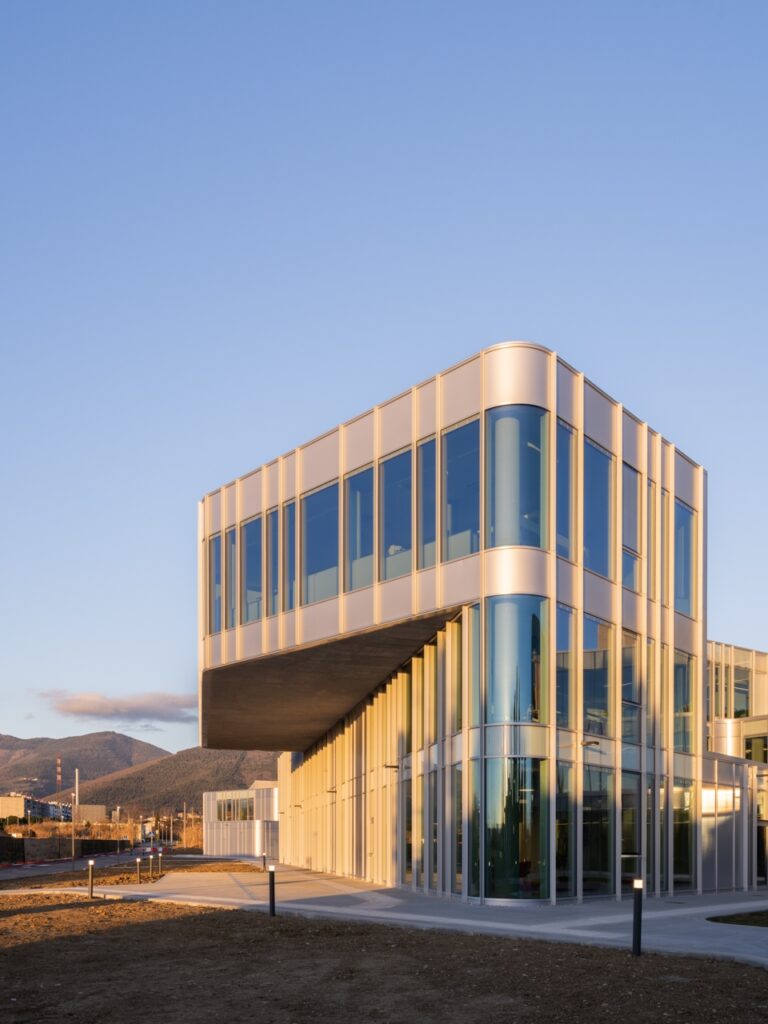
{"x": 225, "y": 227}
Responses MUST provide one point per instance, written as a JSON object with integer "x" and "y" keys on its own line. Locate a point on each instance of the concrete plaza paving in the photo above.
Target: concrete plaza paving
{"x": 677, "y": 925}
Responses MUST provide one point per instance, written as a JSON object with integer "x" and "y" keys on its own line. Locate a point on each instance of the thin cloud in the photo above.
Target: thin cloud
{"x": 144, "y": 707}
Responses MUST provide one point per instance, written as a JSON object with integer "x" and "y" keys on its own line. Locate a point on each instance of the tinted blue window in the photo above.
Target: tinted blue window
{"x": 461, "y": 491}
{"x": 598, "y": 661}
{"x": 516, "y": 476}
{"x": 565, "y": 491}
{"x": 250, "y": 571}
{"x": 516, "y": 658}
{"x": 683, "y": 698}
{"x": 273, "y": 563}
{"x": 426, "y": 503}
{"x": 320, "y": 545}
{"x": 359, "y": 530}
{"x": 683, "y": 558}
{"x": 630, "y": 687}
{"x": 566, "y": 652}
{"x": 395, "y": 516}
{"x": 598, "y": 501}
{"x": 231, "y": 577}
{"x": 630, "y": 528}
{"x": 214, "y": 584}
{"x": 289, "y": 556}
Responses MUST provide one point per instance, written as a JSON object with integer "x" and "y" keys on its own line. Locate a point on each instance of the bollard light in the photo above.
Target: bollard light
{"x": 159, "y": 865}
{"x": 90, "y": 879}
{"x": 637, "y": 916}
{"x": 138, "y": 870}
{"x": 271, "y": 890}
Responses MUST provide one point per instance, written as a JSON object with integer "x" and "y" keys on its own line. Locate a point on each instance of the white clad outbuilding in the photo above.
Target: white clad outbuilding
{"x": 241, "y": 822}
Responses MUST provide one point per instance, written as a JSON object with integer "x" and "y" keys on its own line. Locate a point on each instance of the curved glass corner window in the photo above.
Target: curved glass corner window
{"x": 516, "y": 659}
{"x": 230, "y": 576}
{"x": 516, "y": 476}
{"x": 564, "y": 669}
{"x": 320, "y": 545}
{"x": 426, "y": 503}
{"x": 395, "y": 516}
{"x": 630, "y": 528}
{"x": 461, "y": 491}
{"x": 683, "y": 558}
{"x": 598, "y": 671}
{"x": 273, "y": 563}
{"x": 598, "y": 505}
{"x": 214, "y": 584}
{"x": 516, "y": 828}
{"x": 683, "y": 701}
{"x": 358, "y": 530}
{"x": 289, "y": 556}
{"x": 565, "y": 490}
{"x": 250, "y": 571}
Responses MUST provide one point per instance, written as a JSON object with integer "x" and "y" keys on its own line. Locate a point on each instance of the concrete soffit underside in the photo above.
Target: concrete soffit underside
{"x": 288, "y": 700}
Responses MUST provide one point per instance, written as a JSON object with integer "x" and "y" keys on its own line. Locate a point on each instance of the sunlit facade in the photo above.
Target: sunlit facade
{"x": 477, "y": 615}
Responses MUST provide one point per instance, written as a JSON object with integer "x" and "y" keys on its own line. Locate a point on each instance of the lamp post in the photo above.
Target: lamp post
{"x": 637, "y": 916}
{"x": 90, "y": 879}
{"x": 271, "y": 890}
{"x": 138, "y": 870}
{"x": 73, "y": 831}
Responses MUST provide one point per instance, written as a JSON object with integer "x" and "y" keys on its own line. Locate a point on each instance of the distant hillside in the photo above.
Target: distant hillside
{"x": 164, "y": 785}
{"x": 29, "y": 766}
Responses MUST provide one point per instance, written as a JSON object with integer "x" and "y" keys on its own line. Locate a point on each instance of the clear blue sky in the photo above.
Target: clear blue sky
{"x": 201, "y": 199}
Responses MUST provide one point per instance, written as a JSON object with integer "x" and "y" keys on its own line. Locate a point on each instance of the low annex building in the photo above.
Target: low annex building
{"x": 476, "y": 616}
{"x": 241, "y": 822}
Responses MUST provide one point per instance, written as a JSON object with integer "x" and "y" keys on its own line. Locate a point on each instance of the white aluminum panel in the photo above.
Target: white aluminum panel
{"x": 426, "y": 590}
{"x": 685, "y": 634}
{"x": 230, "y": 505}
{"x": 320, "y": 462}
{"x": 461, "y": 393}
{"x": 250, "y": 495}
{"x": 214, "y": 650}
{"x": 213, "y": 513}
{"x": 359, "y": 442}
{"x": 289, "y": 629}
{"x": 516, "y": 375}
{"x": 319, "y": 621}
{"x": 516, "y": 740}
{"x": 684, "y": 766}
{"x": 426, "y": 409}
{"x": 566, "y": 394}
{"x": 272, "y": 485}
{"x": 395, "y": 424}
{"x": 632, "y": 436}
{"x": 567, "y": 583}
{"x": 567, "y": 745}
{"x": 516, "y": 571}
{"x": 229, "y": 652}
{"x": 461, "y": 581}
{"x": 599, "y": 754}
{"x": 631, "y": 611}
{"x": 598, "y": 417}
{"x": 288, "y": 472}
{"x": 651, "y": 619}
{"x": 273, "y": 634}
{"x": 358, "y": 609}
{"x": 598, "y": 597}
{"x": 665, "y": 630}
{"x": 666, "y": 472}
{"x": 685, "y": 481}
{"x": 651, "y": 468}
{"x": 250, "y": 640}
{"x": 395, "y": 599}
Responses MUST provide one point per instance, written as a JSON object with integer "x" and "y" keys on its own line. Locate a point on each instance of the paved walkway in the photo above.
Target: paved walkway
{"x": 677, "y": 925}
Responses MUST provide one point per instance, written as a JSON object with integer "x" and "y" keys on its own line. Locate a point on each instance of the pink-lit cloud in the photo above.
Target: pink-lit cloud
{"x": 143, "y": 707}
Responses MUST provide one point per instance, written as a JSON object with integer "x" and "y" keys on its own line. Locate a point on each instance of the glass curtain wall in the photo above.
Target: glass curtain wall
{"x": 273, "y": 563}
{"x": 630, "y": 559}
{"x": 630, "y": 687}
{"x": 631, "y": 828}
{"x": 598, "y": 509}
{"x": 683, "y": 558}
{"x": 565, "y": 667}
{"x": 516, "y": 659}
{"x": 683, "y": 834}
{"x": 516, "y": 476}
{"x": 683, "y": 701}
{"x": 598, "y": 673}
{"x": 358, "y": 530}
{"x": 395, "y": 516}
{"x": 565, "y": 830}
{"x": 597, "y": 877}
{"x": 742, "y": 678}
{"x": 566, "y": 490}
{"x": 231, "y": 577}
{"x": 516, "y": 828}
{"x": 320, "y": 545}
{"x": 461, "y": 491}
{"x": 250, "y": 571}
{"x": 214, "y": 584}
{"x": 289, "y": 556}
{"x": 426, "y": 503}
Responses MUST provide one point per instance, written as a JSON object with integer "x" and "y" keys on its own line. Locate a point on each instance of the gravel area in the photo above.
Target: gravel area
{"x": 63, "y": 957}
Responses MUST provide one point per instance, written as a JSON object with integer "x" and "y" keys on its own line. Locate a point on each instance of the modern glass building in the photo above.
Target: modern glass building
{"x": 476, "y": 617}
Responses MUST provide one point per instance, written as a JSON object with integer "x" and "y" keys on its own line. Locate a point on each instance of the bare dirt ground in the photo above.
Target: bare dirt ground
{"x": 111, "y": 962}
{"x": 123, "y": 874}
{"x": 758, "y": 918}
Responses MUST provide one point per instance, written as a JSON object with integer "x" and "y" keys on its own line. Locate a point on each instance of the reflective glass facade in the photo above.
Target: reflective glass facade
{"x": 358, "y": 530}
{"x": 461, "y": 491}
{"x": 516, "y": 439}
{"x": 598, "y": 505}
{"x": 320, "y": 545}
{"x": 395, "y": 557}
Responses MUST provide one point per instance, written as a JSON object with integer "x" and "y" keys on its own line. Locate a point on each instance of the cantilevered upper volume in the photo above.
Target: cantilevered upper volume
{"x": 325, "y": 570}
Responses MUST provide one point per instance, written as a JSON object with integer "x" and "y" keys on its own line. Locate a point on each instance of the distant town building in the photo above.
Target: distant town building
{"x": 90, "y": 812}
{"x": 18, "y": 805}
{"x": 241, "y": 822}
